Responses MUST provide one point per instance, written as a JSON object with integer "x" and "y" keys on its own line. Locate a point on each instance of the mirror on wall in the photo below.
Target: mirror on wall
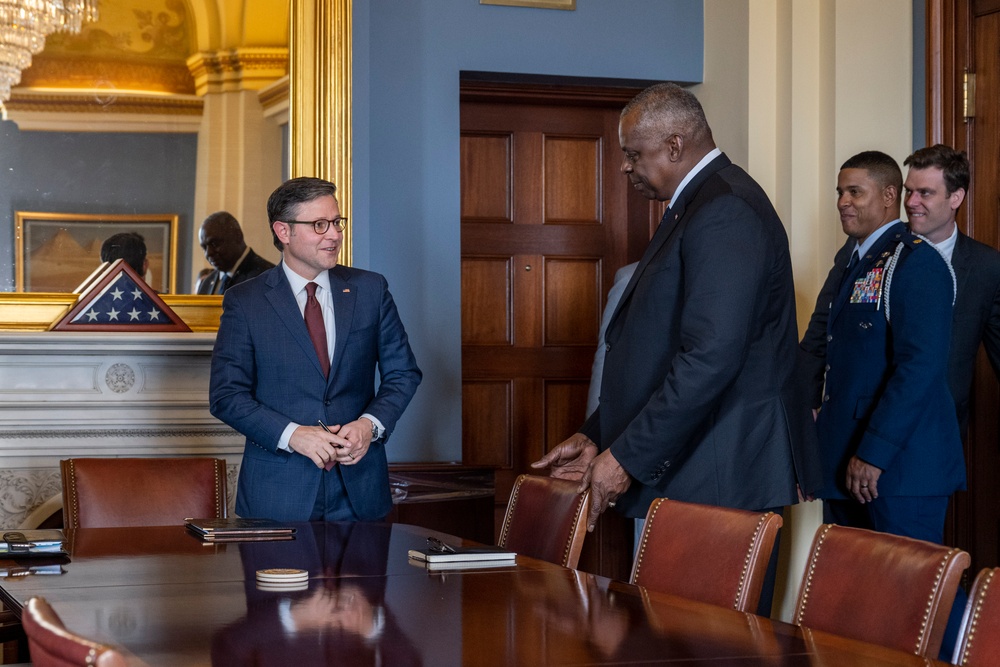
{"x": 160, "y": 112}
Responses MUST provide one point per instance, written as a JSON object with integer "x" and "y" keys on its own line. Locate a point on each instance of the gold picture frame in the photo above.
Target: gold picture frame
{"x": 569, "y": 5}
{"x": 56, "y": 252}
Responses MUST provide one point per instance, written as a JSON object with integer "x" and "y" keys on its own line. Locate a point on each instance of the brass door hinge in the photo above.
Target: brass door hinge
{"x": 969, "y": 95}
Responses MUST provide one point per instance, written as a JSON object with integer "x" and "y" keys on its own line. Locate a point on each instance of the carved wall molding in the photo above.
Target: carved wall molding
{"x": 66, "y": 395}
{"x": 24, "y": 489}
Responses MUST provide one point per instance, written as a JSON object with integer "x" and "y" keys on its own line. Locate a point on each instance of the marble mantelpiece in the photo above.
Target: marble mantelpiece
{"x": 100, "y": 394}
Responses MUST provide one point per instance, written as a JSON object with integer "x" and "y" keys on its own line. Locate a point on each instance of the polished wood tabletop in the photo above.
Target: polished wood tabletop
{"x": 169, "y": 599}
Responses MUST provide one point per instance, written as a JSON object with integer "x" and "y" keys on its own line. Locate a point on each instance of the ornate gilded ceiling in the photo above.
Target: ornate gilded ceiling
{"x": 144, "y": 46}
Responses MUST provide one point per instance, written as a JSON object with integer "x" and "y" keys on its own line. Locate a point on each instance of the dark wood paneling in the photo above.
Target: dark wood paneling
{"x": 574, "y": 222}
{"x": 486, "y": 317}
{"x": 486, "y": 186}
{"x": 486, "y": 423}
{"x": 962, "y": 35}
{"x": 572, "y": 303}
{"x": 984, "y": 7}
{"x": 562, "y": 401}
{"x": 572, "y": 179}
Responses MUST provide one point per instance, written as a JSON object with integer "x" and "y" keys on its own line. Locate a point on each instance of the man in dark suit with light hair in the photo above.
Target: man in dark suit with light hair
{"x": 294, "y": 370}
{"x": 936, "y": 186}
{"x": 697, "y": 399}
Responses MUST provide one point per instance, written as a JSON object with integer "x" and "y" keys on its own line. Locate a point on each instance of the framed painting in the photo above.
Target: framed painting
{"x": 542, "y": 4}
{"x": 58, "y": 252}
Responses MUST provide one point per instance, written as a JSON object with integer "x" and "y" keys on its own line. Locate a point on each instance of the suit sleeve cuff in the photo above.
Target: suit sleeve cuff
{"x": 877, "y": 451}
{"x": 379, "y": 428}
{"x": 286, "y": 435}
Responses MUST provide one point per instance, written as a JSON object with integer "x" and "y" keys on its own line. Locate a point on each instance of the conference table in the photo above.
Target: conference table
{"x": 167, "y": 598}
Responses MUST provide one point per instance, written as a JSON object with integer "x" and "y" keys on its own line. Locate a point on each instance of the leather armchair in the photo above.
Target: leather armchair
{"x": 879, "y": 588}
{"x": 546, "y": 520}
{"x": 52, "y": 645}
{"x": 109, "y": 493}
{"x": 710, "y": 554}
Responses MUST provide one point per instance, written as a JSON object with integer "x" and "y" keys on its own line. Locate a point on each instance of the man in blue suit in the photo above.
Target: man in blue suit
{"x": 888, "y": 431}
{"x": 294, "y": 371}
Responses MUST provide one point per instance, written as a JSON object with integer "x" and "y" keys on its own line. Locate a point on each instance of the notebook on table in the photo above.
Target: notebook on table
{"x": 438, "y": 552}
{"x": 22, "y": 543}
{"x": 240, "y": 529}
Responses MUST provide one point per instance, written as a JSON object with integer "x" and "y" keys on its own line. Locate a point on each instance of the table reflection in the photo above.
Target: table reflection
{"x": 338, "y": 617}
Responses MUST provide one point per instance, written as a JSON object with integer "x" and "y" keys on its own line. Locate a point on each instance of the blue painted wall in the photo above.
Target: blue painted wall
{"x": 94, "y": 172}
{"x": 408, "y": 59}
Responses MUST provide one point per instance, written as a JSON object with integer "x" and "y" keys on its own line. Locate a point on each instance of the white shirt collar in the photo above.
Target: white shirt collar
{"x": 711, "y": 155}
{"x": 298, "y": 283}
{"x": 947, "y": 247}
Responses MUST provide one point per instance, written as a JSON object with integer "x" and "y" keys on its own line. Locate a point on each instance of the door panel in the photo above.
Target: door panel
{"x": 572, "y": 179}
{"x": 486, "y": 162}
{"x": 963, "y": 35}
{"x": 486, "y": 313}
{"x": 572, "y": 302}
{"x": 546, "y": 221}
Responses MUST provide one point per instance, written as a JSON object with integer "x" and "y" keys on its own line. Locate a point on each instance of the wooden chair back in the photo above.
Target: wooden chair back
{"x": 711, "y": 554}
{"x": 546, "y": 519}
{"x": 112, "y": 493}
{"x": 52, "y": 645}
{"x": 884, "y": 589}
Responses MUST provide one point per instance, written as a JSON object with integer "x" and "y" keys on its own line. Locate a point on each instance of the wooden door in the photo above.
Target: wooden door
{"x": 964, "y": 36}
{"x": 547, "y": 218}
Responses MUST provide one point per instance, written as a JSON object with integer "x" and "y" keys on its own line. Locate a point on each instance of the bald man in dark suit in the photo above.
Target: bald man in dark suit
{"x": 697, "y": 397}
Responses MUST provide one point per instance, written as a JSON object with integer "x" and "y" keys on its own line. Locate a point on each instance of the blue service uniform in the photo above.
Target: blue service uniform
{"x": 886, "y": 397}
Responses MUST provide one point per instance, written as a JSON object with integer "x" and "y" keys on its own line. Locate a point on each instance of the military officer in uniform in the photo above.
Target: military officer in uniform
{"x": 888, "y": 432}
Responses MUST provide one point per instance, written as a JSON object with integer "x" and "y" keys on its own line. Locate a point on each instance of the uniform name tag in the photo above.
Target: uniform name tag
{"x": 868, "y": 289}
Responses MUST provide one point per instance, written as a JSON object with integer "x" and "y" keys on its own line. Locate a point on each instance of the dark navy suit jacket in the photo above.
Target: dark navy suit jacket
{"x": 976, "y": 320}
{"x": 265, "y": 374}
{"x": 977, "y": 316}
{"x": 887, "y": 398}
{"x": 697, "y": 396}
{"x": 252, "y": 266}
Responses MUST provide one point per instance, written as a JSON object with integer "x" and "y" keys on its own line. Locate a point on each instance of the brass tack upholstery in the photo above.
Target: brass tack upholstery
{"x": 52, "y": 645}
{"x": 880, "y": 588}
{"x": 119, "y": 492}
{"x": 711, "y": 554}
{"x": 546, "y": 519}
{"x": 979, "y": 638}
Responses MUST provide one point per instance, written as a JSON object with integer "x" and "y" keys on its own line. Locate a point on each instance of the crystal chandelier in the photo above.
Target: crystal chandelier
{"x": 24, "y": 24}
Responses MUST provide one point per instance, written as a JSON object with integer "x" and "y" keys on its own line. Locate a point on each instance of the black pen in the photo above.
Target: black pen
{"x": 327, "y": 429}
{"x": 436, "y": 545}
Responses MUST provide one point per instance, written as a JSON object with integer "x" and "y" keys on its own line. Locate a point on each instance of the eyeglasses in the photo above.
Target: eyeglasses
{"x": 322, "y": 225}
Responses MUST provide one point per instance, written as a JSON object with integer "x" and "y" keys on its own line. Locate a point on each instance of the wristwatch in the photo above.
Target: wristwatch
{"x": 375, "y": 430}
